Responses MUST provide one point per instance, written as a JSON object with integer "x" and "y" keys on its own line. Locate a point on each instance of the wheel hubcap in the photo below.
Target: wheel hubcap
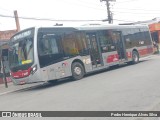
{"x": 77, "y": 70}
{"x": 135, "y": 57}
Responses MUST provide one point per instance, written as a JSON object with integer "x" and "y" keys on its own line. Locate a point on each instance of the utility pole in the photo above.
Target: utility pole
{"x": 4, "y": 74}
{"x": 110, "y": 18}
{"x": 17, "y": 20}
{"x": 4, "y": 53}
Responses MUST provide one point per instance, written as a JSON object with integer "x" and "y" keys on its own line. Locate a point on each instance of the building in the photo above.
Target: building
{"x": 155, "y": 32}
{"x": 6, "y": 35}
{"x": 4, "y": 38}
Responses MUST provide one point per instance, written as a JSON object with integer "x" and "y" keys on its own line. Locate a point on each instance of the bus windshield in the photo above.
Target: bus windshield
{"x": 21, "y": 52}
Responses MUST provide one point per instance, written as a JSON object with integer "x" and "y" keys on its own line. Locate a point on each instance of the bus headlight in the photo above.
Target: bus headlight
{"x": 34, "y": 69}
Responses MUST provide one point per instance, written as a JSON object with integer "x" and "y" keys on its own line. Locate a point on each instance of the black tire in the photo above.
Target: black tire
{"x": 135, "y": 57}
{"x": 77, "y": 71}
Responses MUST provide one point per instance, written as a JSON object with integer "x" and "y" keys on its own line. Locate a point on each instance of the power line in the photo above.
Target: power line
{"x": 74, "y": 3}
{"x": 5, "y": 9}
{"x": 126, "y": 1}
{"x": 135, "y": 9}
{"x": 87, "y": 2}
{"x": 83, "y": 5}
{"x": 134, "y": 12}
{"x": 131, "y": 15}
{"x": 47, "y": 19}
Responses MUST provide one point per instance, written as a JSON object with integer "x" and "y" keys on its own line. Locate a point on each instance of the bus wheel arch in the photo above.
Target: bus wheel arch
{"x": 77, "y": 69}
{"x": 135, "y": 56}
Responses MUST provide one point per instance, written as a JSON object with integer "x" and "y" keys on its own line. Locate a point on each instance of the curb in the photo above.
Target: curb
{"x": 13, "y": 88}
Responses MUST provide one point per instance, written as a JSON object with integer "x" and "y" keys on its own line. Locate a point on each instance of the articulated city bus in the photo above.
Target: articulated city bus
{"x": 52, "y": 53}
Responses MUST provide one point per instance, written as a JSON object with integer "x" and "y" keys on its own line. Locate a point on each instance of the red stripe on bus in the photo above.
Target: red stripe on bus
{"x": 112, "y": 58}
{"x": 129, "y": 54}
{"x": 145, "y": 51}
{"x": 150, "y": 50}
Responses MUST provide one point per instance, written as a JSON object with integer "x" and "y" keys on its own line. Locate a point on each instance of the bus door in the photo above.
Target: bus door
{"x": 119, "y": 43}
{"x": 94, "y": 50}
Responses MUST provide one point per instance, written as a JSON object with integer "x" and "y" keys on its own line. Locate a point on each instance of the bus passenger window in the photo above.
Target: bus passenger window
{"x": 48, "y": 46}
{"x": 49, "y": 49}
{"x": 69, "y": 45}
{"x": 106, "y": 41}
{"x": 82, "y": 44}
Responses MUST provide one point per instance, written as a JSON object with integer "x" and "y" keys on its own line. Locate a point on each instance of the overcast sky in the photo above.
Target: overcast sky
{"x": 123, "y": 11}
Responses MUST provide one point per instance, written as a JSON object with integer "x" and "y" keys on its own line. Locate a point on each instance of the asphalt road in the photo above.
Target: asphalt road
{"x": 127, "y": 88}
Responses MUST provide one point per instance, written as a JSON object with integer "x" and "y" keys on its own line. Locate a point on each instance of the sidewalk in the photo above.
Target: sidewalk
{"x": 13, "y": 88}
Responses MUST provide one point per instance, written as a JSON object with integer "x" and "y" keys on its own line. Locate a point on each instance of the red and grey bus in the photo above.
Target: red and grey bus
{"x": 52, "y": 53}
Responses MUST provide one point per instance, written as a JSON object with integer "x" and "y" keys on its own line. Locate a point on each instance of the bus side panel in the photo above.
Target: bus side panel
{"x": 59, "y": 70}
{"x": 110, "y": 58}
{"x": 63, "y": 69}
{"x": 145, "y": 50}
{"x": 129, "y": 54}
{"x": 87, "y": 63}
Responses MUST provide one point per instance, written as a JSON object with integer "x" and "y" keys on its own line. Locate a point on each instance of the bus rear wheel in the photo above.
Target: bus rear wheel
{"x": 135, "y": 57}
{"x": 77, "y": 71}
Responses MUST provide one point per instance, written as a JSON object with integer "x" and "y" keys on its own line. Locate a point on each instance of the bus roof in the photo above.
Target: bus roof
{"x": 98, "y": 27}
{"x": 88, "y": 27}
{"x": 103, "y": 27}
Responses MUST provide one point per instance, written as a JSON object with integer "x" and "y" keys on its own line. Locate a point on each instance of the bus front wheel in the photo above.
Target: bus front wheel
{"x": 77, "y": 71}
{"x": 135, "y": 57}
